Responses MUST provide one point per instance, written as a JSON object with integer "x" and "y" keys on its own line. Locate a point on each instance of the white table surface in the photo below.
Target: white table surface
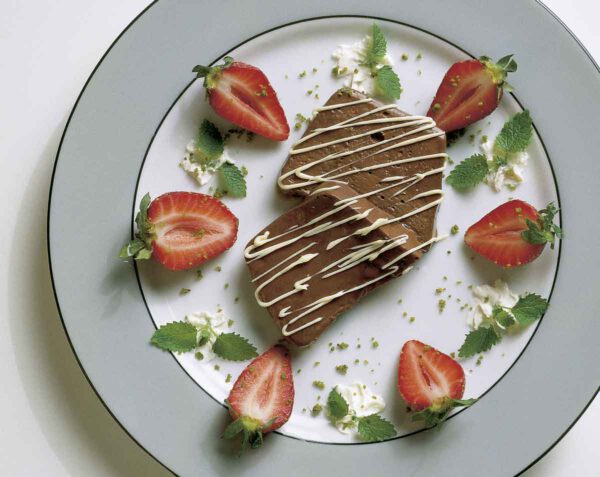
{"x": 52, "y": 423}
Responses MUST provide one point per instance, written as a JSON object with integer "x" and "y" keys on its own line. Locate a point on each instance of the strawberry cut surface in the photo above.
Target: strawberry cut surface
{"x": 498, "y": 235}
{"x": 190, "y": 228}
{"x": 263, "y": 395}
{"x": 242, "y": 94}
{"x": 427, "y": 377}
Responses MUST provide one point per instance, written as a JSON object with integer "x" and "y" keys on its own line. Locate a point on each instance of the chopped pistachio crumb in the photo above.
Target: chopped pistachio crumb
{"x": 479, "y": 360}
{"x": 299, "y": 371}
{"x": 436, "y": 107}
{"x": 230, "y": 323}
{"x": 309, "y": 92}
{"x": 286, "y": 76}
{"x": 184, "y": 291}
{"x": 199, "y": 274}
{"x": 319, "y": 384}
{"x": 411, "y": 319}
{"x": 399, "y": 301}
{"x": 404, "y": 314}
{"x": 484, "y": 139}
{"x": 228, "y": 378}
{"x": 404, "y": 56}
{"x": 419, "y": 72}
{"x": 454, "y": 229}
{"x": 317, "y": 363}
{"x": 375, "y": 344}
{"x": 419, "y": 56}
{"x": 236, "y": 299}
{"x": 302, "y": 75}
{"x": 365, "y": 362}
{"x": 314, "y": 70}
{"x": 217, "y": 367}
{"x": 218, "y": 268}
{"x": 452, "y": 354}
{"x": 244, "y": 170}
{"x": 199, "y": 355}
{"x": 342, "y": 345}
{"x": 356, "y": 361}
{"x": 441, "y": 305}
{"x": 342, "y": 368}
{"x": 444, "y": 277}
{"x": 439, "y": 291}
{"x": 226, "y": 286}
{"x": 316, "y": 410}
{"x": 459, "y": 282}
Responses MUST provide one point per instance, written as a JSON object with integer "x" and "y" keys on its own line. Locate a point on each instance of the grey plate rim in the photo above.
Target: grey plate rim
{"x": 145, "y": 10}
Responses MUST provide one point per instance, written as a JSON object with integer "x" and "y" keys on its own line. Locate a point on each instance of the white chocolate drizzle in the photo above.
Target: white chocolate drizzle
{"x": 332, "y": 179}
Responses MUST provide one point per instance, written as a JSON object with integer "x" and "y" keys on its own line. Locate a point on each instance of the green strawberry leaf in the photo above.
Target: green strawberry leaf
{"x": 374, "y": 428}
{"x": 233, "y": 347}
{"x": 178, "y": 336}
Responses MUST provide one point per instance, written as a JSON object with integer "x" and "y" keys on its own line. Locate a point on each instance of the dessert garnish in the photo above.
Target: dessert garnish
{"x": 501, "y": 162}
{"x": 470, "y": 91}
{"x": 430, "y": 382}
{"x": 528, "y": 309}
{"x": 356, "y": 407}
{"x": 486, "y": 297}
{"x": 514, "y": 233}
{"x": 242, "y": 94}
{"x": 367, "y": 66}
{"x": 204, "y": 334}
{"x": 181, "y": 230}
{"x": 206, "y": 156}
{"x": 262, "y": 397}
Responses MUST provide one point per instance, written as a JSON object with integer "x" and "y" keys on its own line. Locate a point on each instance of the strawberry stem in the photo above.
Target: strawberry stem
{"x": 437, "y": 413}
{"x": 211, "y": 73}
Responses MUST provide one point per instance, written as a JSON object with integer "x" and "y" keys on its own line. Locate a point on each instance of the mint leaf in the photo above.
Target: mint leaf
{"x": 336, "y": 405}
{"x": 375, "y": 428}
{"x": 209, "y": 140}
{"x": 502, "y": 317}
{"x": 478, "y": 341}
{"x": 178, "y": 337}
{"x": 378, "y": 47}
{"x": 469, "y": 172}
{"x": 232, "y": 180}
{"x": 515, "y": 134}
{"x": 529, "y": 309}
{"x": 233, "y": 347}
{"x": 387, "y": 82}
{"x": 546, "y": 231}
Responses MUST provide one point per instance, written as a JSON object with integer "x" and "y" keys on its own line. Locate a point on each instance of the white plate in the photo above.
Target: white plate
{"x": 287, "y": 52}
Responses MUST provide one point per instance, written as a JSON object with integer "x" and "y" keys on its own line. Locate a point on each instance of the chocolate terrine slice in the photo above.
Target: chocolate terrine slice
{"x": 320, "y": 258}
{"x": 393, "y": 159}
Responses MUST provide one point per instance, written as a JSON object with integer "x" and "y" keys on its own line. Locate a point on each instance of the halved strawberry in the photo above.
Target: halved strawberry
{"x": 470, "y": 91}
{"x": 181, "y": 230}
{"x": 242, "y": 94}
{"x": 514, "y": 233}
{"x": 430, "y": 382}
{"x": 262, "y": 397}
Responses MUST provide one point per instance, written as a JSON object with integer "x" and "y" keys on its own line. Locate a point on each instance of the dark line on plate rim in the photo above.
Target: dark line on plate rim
{"x": 312, "y": 441}
{"x": 538, "y": 2}
{"x": 54, "y": 291}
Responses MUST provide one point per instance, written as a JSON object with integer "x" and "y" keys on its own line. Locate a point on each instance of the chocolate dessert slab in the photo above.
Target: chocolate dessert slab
{"x": 321, "y": 257}
{"x": 396, "y": 160}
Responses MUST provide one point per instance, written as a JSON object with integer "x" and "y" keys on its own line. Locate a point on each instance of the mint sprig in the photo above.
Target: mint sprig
{"x": 209, "y": 145}
{"x": 546, "y": 231}
{"x": 387, "y": 83}
{"x": 515, "y": 135}
{"x": 233, "y": 347}
{"x": 182, "y": 336}
{"x": 232, "y": 180}
{"x": 371, "y": 428}
{"x": 528, "y": 309}
{"x": 178, "y": 337}
{"x": 469, "y": 172}
{"x": 140, "y": 247}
